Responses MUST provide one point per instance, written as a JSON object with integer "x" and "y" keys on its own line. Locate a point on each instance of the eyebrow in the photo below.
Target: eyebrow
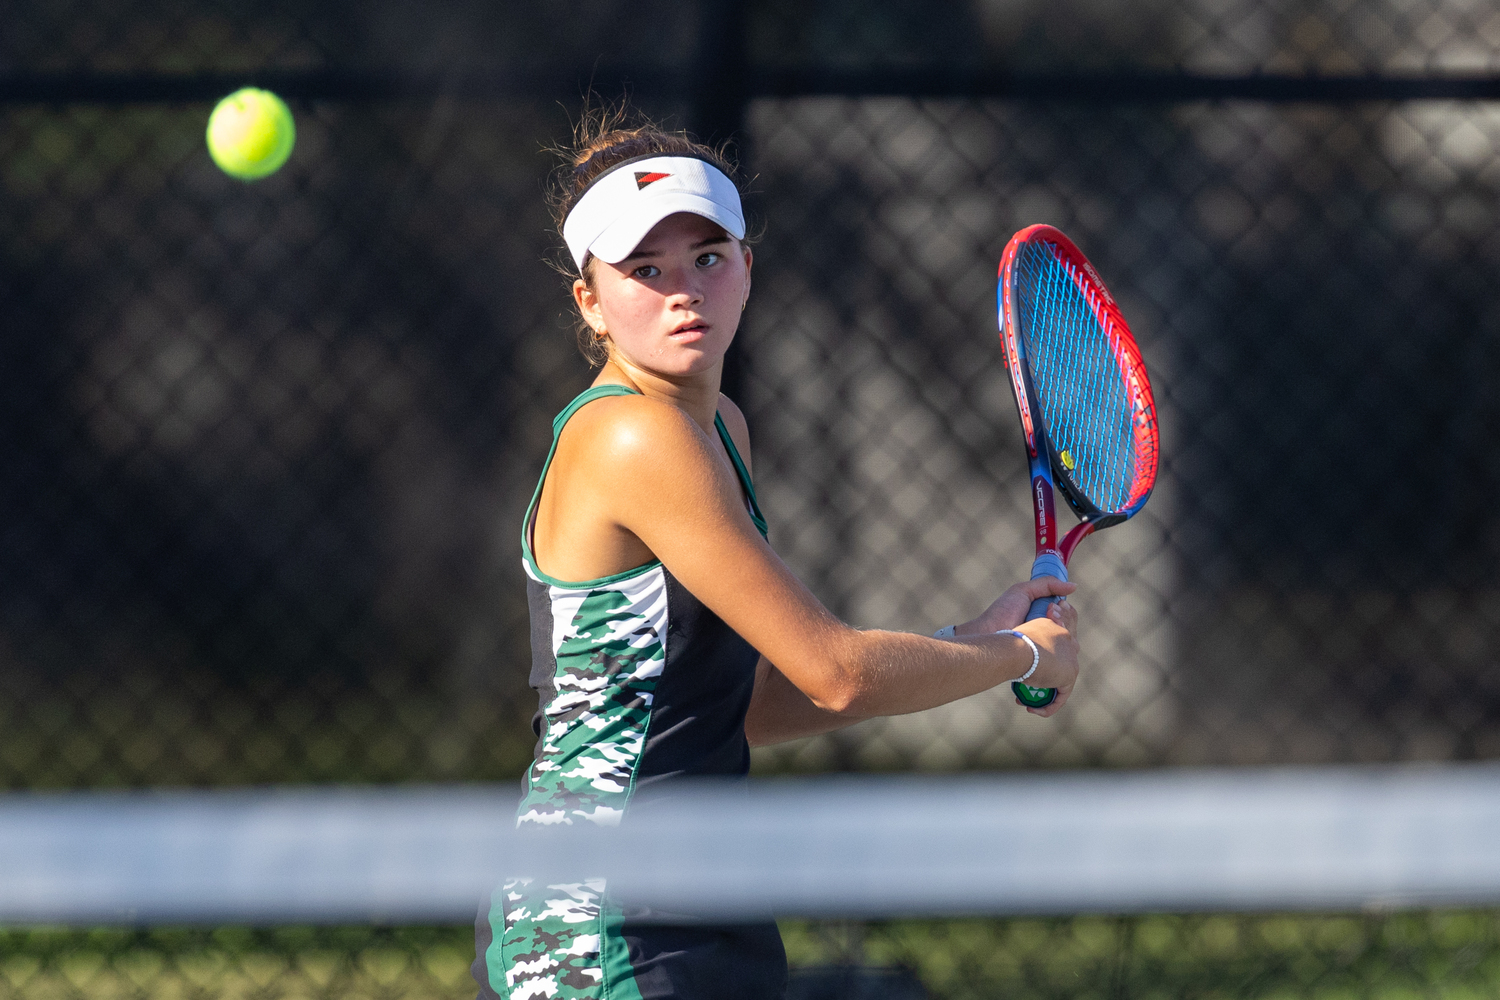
{"x": 643, "y": 254}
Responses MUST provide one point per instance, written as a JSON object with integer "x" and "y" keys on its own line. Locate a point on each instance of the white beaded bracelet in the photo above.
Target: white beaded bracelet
{"x": 1036, "y": 654}
{"x": 946, "y": 632}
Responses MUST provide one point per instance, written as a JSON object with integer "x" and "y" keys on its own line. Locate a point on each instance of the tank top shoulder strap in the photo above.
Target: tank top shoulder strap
{"x": 743, "y": 473}
{"x": 581, "y": 400}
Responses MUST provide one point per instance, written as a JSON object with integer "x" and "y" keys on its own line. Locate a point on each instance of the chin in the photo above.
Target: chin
{"x": 688, "y": 359}
{"x": 692, "y": 364}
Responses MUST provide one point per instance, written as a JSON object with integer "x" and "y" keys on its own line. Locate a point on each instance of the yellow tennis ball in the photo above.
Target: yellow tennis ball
{"x": 250, "y": 134}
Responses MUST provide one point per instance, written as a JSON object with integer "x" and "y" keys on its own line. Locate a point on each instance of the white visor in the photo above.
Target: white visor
{"x": 623, "y": 203}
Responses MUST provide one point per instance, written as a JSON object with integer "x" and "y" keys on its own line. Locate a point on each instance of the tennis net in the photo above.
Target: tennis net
{"x": 1159, "y": 841}
{"x": 1312, "y": 882}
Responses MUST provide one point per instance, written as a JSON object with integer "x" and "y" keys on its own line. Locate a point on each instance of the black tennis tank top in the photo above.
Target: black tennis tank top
{"x": 638, "y": 683}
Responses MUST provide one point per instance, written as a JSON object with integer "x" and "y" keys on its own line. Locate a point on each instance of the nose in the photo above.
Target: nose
{"x": 687, "y": 290}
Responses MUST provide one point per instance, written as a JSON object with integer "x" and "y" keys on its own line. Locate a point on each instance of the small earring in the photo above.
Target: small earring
{"x": 601, "y": 333}
{"x": 744, "y": 304}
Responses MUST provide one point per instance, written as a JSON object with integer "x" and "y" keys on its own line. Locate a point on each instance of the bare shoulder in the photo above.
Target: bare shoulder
{"x": 631, "y": 431}
{"x": 739, "y": 429}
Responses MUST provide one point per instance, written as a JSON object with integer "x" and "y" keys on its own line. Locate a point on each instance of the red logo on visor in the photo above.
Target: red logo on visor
{"x": 642, "y": 178}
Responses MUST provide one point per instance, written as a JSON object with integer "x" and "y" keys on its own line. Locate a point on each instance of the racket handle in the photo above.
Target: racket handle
{"x": 1046, "y": 564}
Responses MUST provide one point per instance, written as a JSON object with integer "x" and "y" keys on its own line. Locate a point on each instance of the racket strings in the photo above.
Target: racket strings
{"x": 1086, "y": 406}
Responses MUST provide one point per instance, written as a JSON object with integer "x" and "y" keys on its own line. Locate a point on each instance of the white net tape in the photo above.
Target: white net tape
{"x": 1323, "y": 839}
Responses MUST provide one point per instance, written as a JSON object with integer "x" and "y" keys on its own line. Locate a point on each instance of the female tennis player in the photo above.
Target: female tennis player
{"x": 667, "y": 637}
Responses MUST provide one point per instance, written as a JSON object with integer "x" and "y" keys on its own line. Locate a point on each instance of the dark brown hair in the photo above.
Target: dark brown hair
{"x": 602, "y": 138}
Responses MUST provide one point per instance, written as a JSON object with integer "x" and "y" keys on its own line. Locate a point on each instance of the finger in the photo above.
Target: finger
{"x": 1054, "y": 706}
{"x": 1047, "y": 586}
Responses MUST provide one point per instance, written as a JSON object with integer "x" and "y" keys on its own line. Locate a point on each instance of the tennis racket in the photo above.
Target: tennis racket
{"x": 1085, "y": 403}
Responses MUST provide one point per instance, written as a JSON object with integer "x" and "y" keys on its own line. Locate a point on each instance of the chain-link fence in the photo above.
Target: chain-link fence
{"x": 265, "y": 447}
{"x": 1309, "y": 283}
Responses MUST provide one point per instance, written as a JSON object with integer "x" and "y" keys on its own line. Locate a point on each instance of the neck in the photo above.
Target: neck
{"x": 696, "y": 395}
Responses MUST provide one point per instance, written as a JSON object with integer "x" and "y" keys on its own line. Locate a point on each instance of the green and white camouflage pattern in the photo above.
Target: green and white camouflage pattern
{"x": 608, "y": 644}
{"x": 551, "y": 940}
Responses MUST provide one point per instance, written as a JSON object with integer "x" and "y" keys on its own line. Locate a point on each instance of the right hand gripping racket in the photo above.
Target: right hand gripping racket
{"x": 1086, "y": 409}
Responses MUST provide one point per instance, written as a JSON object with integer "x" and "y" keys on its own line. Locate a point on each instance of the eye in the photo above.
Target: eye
{"x": 646, "y": 271}
{"x": 709, "y": 259}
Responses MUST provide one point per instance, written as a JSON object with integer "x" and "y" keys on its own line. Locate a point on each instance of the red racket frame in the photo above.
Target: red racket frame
{"x": 1047, "y": 470}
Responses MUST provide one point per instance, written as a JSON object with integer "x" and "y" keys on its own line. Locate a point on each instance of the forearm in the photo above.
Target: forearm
{"x": 894, "y": 673}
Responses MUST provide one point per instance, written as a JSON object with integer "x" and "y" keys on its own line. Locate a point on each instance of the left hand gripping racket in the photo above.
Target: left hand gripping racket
{"x": 1085, "y": 403}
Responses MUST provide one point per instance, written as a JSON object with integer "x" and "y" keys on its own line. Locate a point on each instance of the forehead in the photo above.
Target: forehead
{"x": 680, "y": 228}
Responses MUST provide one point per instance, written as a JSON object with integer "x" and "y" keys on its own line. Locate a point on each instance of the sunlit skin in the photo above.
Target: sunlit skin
{"x": 637, "y": 478}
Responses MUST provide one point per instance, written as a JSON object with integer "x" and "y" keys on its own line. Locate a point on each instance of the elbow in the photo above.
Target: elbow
{"x": 843, "y": 685}
{"x": 838, "y": 693}
{"x": 836, "y": 704}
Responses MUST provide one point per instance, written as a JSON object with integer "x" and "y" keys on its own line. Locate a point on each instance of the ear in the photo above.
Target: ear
{"x": 749, "y": 262}
{"x": 588, "y": 304}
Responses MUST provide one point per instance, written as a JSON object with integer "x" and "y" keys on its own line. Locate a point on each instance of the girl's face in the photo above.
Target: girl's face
{"x": 673, "y": 305}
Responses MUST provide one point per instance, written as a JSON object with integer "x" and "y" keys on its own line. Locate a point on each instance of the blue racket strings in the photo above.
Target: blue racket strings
{"x": 1080, "y": 390}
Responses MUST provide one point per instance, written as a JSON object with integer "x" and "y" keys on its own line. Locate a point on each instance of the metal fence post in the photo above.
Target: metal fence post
{"x": 718, "y": 110}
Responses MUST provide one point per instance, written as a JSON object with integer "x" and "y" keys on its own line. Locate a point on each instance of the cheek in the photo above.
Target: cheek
{"x": 734, "y": 288}
{"x": 627, "y": 306}
{"x": 612, "y": 296}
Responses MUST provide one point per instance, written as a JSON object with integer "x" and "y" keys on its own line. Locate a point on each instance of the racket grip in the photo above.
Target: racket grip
{"x": 1039, "y": 608}
{"x": 1046, "y": 564}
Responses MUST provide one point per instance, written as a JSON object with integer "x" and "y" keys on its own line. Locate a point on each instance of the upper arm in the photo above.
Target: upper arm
{"x": 677, "y": 496}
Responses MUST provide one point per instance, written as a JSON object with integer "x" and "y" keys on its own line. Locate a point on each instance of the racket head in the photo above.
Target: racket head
{"x": 1080, "y": 383}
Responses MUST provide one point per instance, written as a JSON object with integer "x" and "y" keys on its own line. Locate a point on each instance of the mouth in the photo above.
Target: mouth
{"x": 689, "y": 331}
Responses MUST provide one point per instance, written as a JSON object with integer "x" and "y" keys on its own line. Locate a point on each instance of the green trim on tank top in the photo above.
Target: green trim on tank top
{"x": 742, "y": 472}
{"x": 614, "y": 954}
{"x": 585, "y": 397}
